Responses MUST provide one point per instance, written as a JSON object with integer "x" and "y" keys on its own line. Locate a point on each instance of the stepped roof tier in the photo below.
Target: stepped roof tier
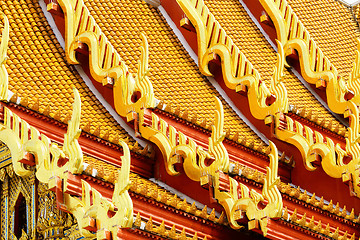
{"x": 179, "y": 119}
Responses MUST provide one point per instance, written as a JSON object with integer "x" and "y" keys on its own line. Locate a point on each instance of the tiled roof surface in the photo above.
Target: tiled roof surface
{"x": 37, "y": 69}
{"x": 238, "y": 25}
{"x": 140, "y": 186}
{"x": 337, "y": 39}
{"x": 175, "y": 77}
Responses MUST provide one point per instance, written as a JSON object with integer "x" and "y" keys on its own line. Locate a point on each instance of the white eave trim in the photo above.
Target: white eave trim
{"x": 211, "y": 79}
{"x": 154, "y": 3}
{"x": 296, "y": 73}
{"x": 87, "y": 80}
{"x": 352, "y": 4}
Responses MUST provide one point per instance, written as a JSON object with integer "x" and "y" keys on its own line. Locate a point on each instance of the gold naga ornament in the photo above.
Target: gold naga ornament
{"x": 176, "y": 147}
{"x": 92, "y": 210}
{"x": 105, "y": 63}
{"x": 312, "y": 144}
{"x": 212, "y": 39}
{"x": 15, "y": 134}
{"x": 315, "y": 66}
{"x": 165, "y": 137}
{"x": 342, "y": 96}
{"x": 237, "y": 71}
{"x": 173, "y": 147}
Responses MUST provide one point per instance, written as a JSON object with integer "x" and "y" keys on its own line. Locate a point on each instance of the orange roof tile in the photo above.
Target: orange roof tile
{"x": 337, "y": 39}
{"x": 37, "y": 69}
{"x": 175, "y": 77}
{"x": 238, "y": 25}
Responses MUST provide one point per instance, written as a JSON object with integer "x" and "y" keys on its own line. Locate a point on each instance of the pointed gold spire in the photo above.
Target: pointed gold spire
{"x": 221, "y": 219}
{"x": 193, "y": 208}
{"x": 172, "y": 232}
{"x": 311, "y": 224}
{"x": 312, "y": 200}
{"x": 137, "y": 220}
{"x": 326, "y": 231}
{"x": 351, "y": 216}
{"x": 293, "y": 217}
{"x": 318, "y": 227}
{"x": 336, "y": 210}
{"x": 320, "y": 203}
{"x": 285, "y": 214}
{"x": 335, "y": 234}
{"x": 344, "y": 237}
{"x": 182, "y": 235}
{"x": 149, "y": 225}
{"x": 212, "y": 215}
{"x": 161, "y": 229}
{"x": 302, "y": 221}
{"x": 203, "y": 213}
{"x": 343, "y": 212}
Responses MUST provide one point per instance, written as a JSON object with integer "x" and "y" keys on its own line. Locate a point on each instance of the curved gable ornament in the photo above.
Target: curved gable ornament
{"x": 15, "y": 134}
{"x": 94, "y": 208}
{"x": 105, "y": 62}
{"x": 80, "y": 27}
{"x": 236, "y": 69}
{"x": 178, "y": 148}
{"x": 315, "y": 66}
{"x": 312, "y": 144}
{"x": 21, "y": 138}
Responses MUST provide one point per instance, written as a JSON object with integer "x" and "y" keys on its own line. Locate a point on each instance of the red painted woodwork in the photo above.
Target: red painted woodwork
{"x": 318, "y": 181}
{"x": 90, "y": 144}
{"x": 159, "y": 212}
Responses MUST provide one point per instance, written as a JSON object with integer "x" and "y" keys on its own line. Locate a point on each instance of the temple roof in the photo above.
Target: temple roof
{"x": 336, "y": 38}
{"x": 42, "y": 78}
{"x": 40, "y": 75}
{"x": 175, "y": 77}
{"x": 233, "y": 17}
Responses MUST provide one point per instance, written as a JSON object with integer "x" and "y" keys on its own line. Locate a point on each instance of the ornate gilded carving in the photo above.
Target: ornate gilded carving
{"x": 17, "y": 196}
{"x": 312, "y": 144}
{"x": 50, "y": 221}
{"x": 71, "y": 146}
{"x": 92, "y": 210}
{"x": 249, "y": 200}
{"x": 15, "y": 134}
{"x": 3, "y": 49}
{"x": 92, "y": 203}
{"x": 175, "y": 146}
{"x": 236, "y": 69}
{"x": 315, "y": 66}
{"x": 5, "y": 156}
{"x": 131, "y": 94}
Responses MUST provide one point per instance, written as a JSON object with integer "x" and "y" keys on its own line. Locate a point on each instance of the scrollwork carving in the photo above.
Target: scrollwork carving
{"x": 241, "y": 200}
{"x": 315, "y": 66}
{"x": 236, "y": 69}
{"x": 312, "y": 143}
{"x": 178, "y": 148}
{"x": 15, "y": 134}
{"x": 92, "y": 210}
{"x": 175, "y": 145}
{"x": 80, "y": 27}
